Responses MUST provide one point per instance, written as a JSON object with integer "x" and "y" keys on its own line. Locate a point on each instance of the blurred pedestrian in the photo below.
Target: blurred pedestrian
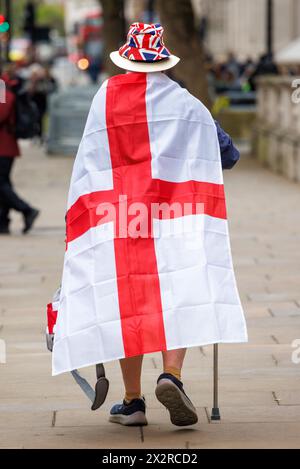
{"x": 40, "y": 85}
{"x": 9, "y": 150}
{"x": 232, "y": 66}
{"x": 265, "y": 66}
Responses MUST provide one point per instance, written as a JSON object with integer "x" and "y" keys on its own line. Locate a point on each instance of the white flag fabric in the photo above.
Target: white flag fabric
{"x": 148, "y": 263}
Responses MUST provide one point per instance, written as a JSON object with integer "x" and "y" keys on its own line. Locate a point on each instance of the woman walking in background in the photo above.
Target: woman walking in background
{"x": 9, "y": 150}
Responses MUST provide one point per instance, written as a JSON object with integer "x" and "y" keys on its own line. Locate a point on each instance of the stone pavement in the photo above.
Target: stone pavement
{"x": 259, "y": 384}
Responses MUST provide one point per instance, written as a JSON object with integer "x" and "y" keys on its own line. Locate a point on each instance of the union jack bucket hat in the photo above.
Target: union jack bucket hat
{"x": 144, "y": 50}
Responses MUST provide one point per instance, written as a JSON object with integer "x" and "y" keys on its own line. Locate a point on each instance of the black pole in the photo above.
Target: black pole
{"x": 151, "y": 9}
{"x": 9, "y": 34}
{"x": 270, "y": 29}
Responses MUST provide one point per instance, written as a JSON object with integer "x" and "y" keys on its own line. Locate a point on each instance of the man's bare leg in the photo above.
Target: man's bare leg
{"x": 173, "y": 362}
{"x": 133, "y": 410}
{"x": 131, "y": 371}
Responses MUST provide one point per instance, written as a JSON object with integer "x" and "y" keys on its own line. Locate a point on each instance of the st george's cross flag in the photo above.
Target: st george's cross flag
{"x": 148, "y": 262}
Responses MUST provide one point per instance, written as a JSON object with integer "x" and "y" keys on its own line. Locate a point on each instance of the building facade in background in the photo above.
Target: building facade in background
{"x": 239, "y": 26}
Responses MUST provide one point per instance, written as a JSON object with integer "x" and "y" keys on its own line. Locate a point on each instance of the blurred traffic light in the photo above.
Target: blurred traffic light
{"x": 4, "y": 25}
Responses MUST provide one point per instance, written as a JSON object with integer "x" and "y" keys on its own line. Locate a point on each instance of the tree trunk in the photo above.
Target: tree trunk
{"x": 135, "y": 10}
{"x": 182, "y": 39}
{"x": 113, "y": 32}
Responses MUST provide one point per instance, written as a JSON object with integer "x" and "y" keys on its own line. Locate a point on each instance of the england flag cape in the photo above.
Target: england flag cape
{"x": 148, "y": 262}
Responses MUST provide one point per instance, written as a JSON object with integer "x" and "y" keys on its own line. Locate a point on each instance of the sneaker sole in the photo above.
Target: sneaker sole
{"x": 137, "y": 419}
{"x": 182, "y": 412}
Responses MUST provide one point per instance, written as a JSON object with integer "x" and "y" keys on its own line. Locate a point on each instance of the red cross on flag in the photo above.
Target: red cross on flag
{"x": 148, "y": 263}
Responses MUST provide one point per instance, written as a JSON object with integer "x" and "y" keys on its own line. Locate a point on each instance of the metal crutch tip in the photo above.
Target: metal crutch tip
{"x": 215, "y": 414}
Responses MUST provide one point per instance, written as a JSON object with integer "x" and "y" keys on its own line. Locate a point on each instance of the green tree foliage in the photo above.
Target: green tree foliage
{"x": 18, "y": 9}
{"x": 46, "y": 15}
{"x": 52, "y": 16}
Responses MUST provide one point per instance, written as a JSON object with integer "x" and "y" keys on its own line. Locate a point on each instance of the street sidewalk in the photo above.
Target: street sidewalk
{"x": 259, "y": 384}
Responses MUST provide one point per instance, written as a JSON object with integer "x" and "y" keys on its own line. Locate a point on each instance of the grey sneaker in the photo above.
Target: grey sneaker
{"x": 169, "y": 391}
{"x": 132, "y": 414}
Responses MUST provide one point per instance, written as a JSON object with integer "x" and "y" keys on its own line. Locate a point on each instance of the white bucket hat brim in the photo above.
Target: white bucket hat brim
{"x": 144, "y": 67}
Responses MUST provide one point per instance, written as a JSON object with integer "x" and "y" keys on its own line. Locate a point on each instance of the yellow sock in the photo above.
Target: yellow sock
{"x": 129, "y": 396}
{"x": 173, "y": 371}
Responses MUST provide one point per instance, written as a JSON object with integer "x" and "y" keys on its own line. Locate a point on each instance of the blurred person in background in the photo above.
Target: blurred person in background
{"x": 232, "y": 66}
{"x": 265, "y": 66}
{"x": 9, "y": 150}
{"x": 41, "y": 85}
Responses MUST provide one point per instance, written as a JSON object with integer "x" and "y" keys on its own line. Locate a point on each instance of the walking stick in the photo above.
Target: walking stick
{"x": 215, "y": 413}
